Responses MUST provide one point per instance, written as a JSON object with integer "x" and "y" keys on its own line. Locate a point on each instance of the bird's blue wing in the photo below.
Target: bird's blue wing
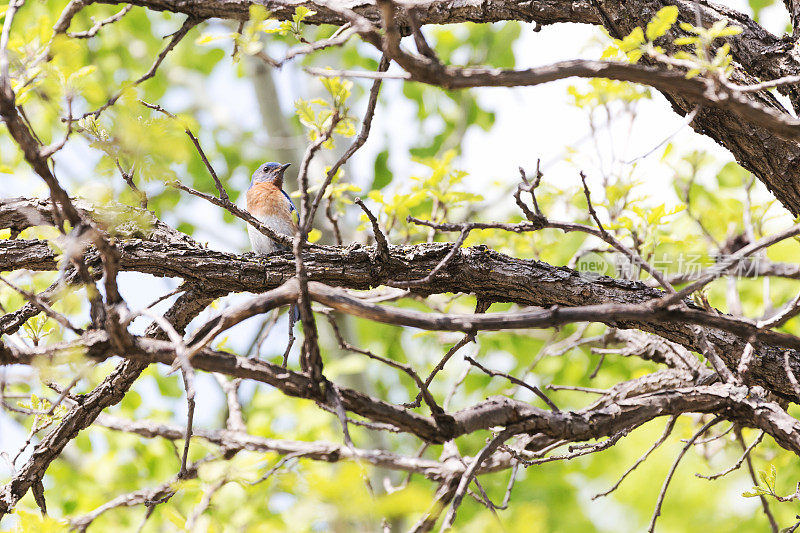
{"x": 292, "y": 208}
{"x": 296, "y": 218}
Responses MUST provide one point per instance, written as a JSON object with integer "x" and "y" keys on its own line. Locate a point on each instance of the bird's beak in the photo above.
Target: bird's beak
{"x": 284, "y": 167}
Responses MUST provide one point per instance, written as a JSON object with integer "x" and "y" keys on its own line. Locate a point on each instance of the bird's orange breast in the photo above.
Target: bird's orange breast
{"x": 265, "y": 199}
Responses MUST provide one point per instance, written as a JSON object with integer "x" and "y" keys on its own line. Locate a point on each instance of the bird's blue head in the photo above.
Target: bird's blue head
{"x": 271, "y": 173}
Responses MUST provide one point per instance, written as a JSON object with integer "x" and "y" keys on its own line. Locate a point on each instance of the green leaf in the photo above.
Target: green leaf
{"x": 729, "y": 31}
{"x": 662, "y": 22}
{"x": 632, "y": 41}
{"x": 772, "y": 477}
{"x": 731, "y": 175}
{"x": 683, "y": 41}
{"x": 764, "y": 476}
{"x": 755, "y": 492}
{"x": 302, "y": 12}
{"x": 305, "y": 113}
{"x": 382, "y": 175}
{"x": 314, "y": 235}
{"x": 757, "y": 6}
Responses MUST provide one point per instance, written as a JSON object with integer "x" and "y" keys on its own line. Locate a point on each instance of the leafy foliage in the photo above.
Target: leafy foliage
{"x": 101, "y": 464}
{"x": 704, "y": 56}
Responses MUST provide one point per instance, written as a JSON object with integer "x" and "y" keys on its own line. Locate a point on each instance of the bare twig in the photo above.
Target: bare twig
{"x": 147, "y": 497}
{"x": 733, "y": 259}
{"x": 205, "y": 502}
{"x": 278, "y": 465}
{"x": 738, "y": 463}
{"x": 128, "y": 177}
{"x": 380, "y": 238}
{"x": 764, "y": 503}
{"x": 42, "y": 305}
{"x": 439, "y": 267}
{"x": 429, "y": 400}
{"x": 353, "y": 148}
{"x": 667, "y": 430}
{"x": 188, "y": 24}
{"x": 223, "y": 194}
{"x": 188, "y": 382}
{"x": 235, "y": 420}
{"x": 339, "y": 37}
{"x": 516, "y": 381}
{"x": 91, "y": 32}
{"x": 535, "y": 215}
{"x": 663, "y": 491}
{"x": 467, "y": 476}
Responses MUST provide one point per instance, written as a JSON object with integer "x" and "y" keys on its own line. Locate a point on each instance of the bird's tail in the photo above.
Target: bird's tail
{"x": 294, "y": 312}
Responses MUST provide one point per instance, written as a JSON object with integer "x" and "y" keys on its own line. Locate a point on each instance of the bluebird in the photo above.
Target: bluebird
{"x": 267, "y": 201}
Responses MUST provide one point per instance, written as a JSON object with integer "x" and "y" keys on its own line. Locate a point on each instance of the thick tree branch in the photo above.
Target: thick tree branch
{"x": 576, "y": 425}
{"x": 434, "y": 12}
{"x": 485, "y": 273}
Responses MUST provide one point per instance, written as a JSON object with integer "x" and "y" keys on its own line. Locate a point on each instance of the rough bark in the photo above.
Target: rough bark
{"x": 485, "y": 273}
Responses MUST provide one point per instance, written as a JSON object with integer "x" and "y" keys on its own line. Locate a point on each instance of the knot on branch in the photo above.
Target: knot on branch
{"x": 445, "y": 424}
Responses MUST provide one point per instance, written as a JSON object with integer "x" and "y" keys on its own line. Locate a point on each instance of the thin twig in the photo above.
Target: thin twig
{"x": 674, "y": 467}
{"x": 234, "y": 421}
{"x": 363, "y": 74}
{"x": 438, "y": 268}
{"x": 91, "y": 32}
{"x": 188, "y": 381}
{"x": 789, "y": 311}
{"x": 530, "y": 187}
{"x": 712, "y": 438}
{"x": 278, "y": 465}
{"x": 223, "y": 194}
{"x": 721, "y": 267}
{"x": 353, "y": 148}
{"x": 188, "y": 24}
{"x": 43, "y": 306}
{"x": 481, "y": 306}
{"x": 5, "y": 78}
{"x": 380, "y": 238}
{"x": 127, "y": 176}
{"x": 429, "y": 400}
{"x": 467, "y": 476}
{"x": 589, "y": 390}
{"x": 738, "y": 463}
{"x": 339, "y": 37}
{"x": 764, "y": 503}
{"x": 516, "y": 381}
{"x": 205, "y": 503}
{"x": 667, "y": 430}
